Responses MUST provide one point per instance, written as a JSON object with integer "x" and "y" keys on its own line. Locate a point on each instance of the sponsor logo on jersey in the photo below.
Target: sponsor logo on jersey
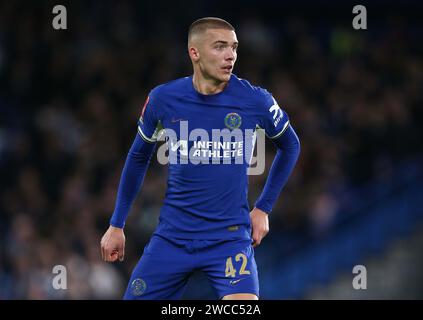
{"x": 220, "y": 146}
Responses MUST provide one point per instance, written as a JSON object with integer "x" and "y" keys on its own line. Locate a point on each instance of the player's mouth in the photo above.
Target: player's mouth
{"x": 228, "y": 68}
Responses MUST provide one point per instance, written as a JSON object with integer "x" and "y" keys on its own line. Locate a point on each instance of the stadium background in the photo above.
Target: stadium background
{"x": 70, "y": 100}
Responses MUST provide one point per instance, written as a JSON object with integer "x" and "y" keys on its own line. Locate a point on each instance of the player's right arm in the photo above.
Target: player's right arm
{"x": 133, "y": 173}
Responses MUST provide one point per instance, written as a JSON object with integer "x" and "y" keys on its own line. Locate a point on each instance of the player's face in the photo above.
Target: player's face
{"x": 218, "y": 54}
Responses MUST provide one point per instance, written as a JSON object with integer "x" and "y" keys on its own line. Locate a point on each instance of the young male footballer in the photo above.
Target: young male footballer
{"x": 205, "y": 221}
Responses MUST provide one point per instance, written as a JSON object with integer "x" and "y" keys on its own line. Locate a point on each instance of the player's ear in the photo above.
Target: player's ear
{"x": 194, "y": 54}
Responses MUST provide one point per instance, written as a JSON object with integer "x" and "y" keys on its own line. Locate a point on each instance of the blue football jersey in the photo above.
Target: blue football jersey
{"x": 210, "y": 140}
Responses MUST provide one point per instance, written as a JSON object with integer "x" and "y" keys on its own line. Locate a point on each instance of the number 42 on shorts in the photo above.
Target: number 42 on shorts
{"x": 230, "y": 271}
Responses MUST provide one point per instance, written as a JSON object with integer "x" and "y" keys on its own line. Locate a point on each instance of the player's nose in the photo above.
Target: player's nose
{"x": 229, "y": 55}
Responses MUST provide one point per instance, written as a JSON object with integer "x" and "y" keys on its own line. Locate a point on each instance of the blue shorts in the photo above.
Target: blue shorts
{"x": 166, "y": 265}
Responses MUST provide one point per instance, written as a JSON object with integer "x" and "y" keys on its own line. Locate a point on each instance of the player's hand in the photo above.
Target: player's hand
{"x": 113, "y": 245}
{"x": 260, "y": 225}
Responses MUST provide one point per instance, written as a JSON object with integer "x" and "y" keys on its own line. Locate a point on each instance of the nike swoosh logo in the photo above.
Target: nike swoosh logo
{"x": 232, "y": 282}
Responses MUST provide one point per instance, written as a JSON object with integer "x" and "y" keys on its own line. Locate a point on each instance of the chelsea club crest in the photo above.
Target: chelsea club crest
{"x": 138, "y": 287}
{"x": 233, "y": 120}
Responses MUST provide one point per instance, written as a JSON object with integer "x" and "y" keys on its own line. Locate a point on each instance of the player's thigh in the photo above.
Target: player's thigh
{"x": 231, "y": 269}
{"x": 161, "y": 273}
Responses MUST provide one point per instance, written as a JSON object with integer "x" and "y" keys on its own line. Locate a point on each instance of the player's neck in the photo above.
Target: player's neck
{"x": 207, "y": 86}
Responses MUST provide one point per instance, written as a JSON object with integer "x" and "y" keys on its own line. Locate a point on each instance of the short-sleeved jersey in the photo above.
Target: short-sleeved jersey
{"x": 210, "y": 140}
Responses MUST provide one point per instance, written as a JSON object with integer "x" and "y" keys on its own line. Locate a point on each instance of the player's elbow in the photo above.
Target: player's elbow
{"x": 140, "y": 157}
{"x": 294, "y": 142}
{"x": 293, "y": 150}
{"x": 289, "y": 142}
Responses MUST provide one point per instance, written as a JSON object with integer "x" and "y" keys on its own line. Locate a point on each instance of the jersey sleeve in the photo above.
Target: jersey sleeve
{"x": 149, "y": 123}
{"x": 273, "y": 119}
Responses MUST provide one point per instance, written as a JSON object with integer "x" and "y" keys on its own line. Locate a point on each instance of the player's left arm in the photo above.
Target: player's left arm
{"x": 278, "y": 128}
{"x": 288, "y": 150}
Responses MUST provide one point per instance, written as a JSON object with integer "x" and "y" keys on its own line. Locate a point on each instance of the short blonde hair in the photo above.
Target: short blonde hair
{"x": 201, "y": 25}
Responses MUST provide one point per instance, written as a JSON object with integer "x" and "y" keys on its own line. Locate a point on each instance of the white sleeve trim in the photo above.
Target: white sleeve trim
{"x": 282, "y": 131}
{"x": 144, "y": 137}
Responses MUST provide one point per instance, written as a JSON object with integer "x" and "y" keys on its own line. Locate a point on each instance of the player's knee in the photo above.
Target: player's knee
{"x": 240, "y": 296}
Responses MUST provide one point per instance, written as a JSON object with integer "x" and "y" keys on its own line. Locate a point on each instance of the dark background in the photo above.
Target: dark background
{"x": 69, "y": 104}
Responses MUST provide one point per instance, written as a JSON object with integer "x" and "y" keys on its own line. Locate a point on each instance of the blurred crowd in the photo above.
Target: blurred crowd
{"x": 70, "y": 101}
